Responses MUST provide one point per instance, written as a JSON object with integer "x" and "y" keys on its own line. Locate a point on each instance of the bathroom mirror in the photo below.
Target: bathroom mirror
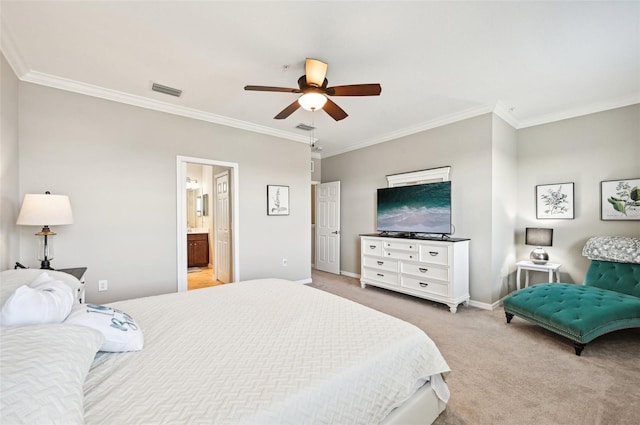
{"x": 194, "y": 207}
{"x": 199, "y": 206}
{"x": 205, "y": 205}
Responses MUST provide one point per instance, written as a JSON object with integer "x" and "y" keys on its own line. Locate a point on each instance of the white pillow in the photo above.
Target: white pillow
{"x": 43, "y": 372}
{"x": 10, "y": 280}
{"x": 44, "y": 301}
{"x": 121, "y": 332}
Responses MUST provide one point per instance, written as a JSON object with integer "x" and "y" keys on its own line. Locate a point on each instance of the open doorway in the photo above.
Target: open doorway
{"x": 207, "y": 222}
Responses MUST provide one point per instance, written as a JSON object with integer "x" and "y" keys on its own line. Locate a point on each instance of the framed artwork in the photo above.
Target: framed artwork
{"x": 554, "y": 201}
{"x": 620, "y": 199}
{"x": 277, "y": 200}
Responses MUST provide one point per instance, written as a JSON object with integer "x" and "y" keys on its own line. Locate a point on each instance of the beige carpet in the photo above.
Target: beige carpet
{"x": 516, "y": 374}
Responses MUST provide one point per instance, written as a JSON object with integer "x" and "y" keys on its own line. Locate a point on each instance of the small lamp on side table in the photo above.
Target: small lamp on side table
{"x": 538, "y": 237}
{"x": 38, "y": 209}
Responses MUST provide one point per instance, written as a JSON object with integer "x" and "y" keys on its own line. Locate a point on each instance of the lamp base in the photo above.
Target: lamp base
{"x": 539, "y": 256}
{"x": 46, "y": 265}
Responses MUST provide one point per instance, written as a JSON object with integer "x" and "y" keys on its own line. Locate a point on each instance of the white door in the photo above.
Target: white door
{"x": 223, "y": 245}
{"x": 328, "y": 227}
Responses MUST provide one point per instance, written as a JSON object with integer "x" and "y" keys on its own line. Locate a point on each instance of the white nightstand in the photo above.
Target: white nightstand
{"x": 78, "y": 272}
{"x": 550, "y": 268}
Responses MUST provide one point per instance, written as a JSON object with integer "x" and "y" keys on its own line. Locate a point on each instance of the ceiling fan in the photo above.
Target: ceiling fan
{"x": 313, "y": 86}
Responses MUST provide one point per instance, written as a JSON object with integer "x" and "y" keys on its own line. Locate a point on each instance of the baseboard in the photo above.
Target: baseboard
{"x": 304, "y": 281}
{"x": 349, "y": 274}
{"x": 485, "y": 306}
{"x": 472, "y": 303}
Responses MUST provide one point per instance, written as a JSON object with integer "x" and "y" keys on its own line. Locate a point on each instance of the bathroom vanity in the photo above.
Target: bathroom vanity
{"x": 198, "y": 249}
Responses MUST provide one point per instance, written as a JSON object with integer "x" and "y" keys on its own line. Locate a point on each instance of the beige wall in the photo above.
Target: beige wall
{"x": 9, "y": 194}
{"x": 465, "y": 146}
{"x": 584, "y": 150}
{"x": 495, "y": 169}
{"x": 118, "y": 165}
{"x": 504, "y": 188}
{"x": 316, "y": 175}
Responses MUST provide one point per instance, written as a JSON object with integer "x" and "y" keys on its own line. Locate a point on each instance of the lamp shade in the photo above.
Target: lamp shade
{"x": 538, "y": 236}
{"x": 45, "y": 210}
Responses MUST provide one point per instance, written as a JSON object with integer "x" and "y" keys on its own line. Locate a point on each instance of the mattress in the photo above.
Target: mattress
{"x": 262, "y": 351}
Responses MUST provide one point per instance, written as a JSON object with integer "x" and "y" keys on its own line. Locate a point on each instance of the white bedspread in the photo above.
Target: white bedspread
{"x": 259, "y": 352}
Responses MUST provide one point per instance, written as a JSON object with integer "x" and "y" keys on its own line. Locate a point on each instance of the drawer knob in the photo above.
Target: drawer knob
{"x": 433, "y": 253}
{"x": 372, "y": 246}
{"x": 380, "y": 274}
{"x": 380, "y": 263}
{"x": 423, "y": 270}
{"x": 424, "y": 285}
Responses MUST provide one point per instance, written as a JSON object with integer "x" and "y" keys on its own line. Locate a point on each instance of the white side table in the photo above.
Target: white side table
{"x": 550, "y": 268}
{"x": 78, "y": 273}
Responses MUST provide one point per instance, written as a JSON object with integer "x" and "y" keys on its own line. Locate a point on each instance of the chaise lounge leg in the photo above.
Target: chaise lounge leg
{"x": 578, "y": 347}
{"x": 509, "y": 316}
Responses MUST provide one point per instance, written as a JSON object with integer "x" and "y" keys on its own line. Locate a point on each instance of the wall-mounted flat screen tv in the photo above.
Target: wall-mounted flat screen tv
{"x": 422, "y": 208}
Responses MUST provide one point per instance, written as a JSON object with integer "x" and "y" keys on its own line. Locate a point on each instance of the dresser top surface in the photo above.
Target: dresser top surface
{"x": 416, "y": 237}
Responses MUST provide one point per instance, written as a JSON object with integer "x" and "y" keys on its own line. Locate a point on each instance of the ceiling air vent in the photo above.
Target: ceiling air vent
{"x": 166, "y": 90}
{"x": 305, "y": 127}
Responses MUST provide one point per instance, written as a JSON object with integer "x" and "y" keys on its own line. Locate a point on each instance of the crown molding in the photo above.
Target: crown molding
{"x": 10, "y": 51}
{"x": 620, "y": 102}
{"x": 24, "y": 73}
{"x": 504, "y": 112}
{"x": 53, "y": 81}
{"x": 428, "y": 125}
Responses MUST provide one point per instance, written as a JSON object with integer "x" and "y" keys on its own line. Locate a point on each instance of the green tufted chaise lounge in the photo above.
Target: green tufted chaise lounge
{"x": 608, "y": 300}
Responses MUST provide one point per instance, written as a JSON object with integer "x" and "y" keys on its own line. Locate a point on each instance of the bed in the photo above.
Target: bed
{"x": 255, "y": 352}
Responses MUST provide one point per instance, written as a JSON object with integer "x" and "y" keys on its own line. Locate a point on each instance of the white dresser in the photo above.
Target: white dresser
{"x": 436, "y": 270}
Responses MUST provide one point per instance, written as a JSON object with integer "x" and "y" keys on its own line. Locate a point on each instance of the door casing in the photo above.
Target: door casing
{"x": 181, "y": 215}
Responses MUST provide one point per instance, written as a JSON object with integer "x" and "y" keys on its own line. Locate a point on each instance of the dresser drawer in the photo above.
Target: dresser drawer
{"x": 434, "y": 254}
{"x": 426, "y": 271}
{"x": 425, "y": 285}
{"x": 401, "y": 255}
{"x": 401, "y": 246}
{"x": 381, "y": 264}
{"x": 371, "y": 247}
{"x": 382, "y": 276}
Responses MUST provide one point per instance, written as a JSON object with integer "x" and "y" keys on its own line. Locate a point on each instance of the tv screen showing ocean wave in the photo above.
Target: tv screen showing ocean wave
{"x": 424, "y": 208}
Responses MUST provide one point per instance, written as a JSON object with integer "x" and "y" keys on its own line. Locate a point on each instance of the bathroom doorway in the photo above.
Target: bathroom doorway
{"x": 207, "y": 222}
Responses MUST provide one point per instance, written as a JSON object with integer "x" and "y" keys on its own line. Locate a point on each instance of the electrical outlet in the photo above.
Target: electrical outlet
{"x": 284, "y": 262}
{"x": 103, "y": 285}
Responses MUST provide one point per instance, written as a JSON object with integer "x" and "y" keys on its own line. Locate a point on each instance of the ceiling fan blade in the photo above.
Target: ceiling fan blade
{"x": 287, "y": 111}
{"x": 336, "y": 112}
{"x": 355, "y": 90}
{"x": 268, "y": 88}
{"x": 315, "y": 71}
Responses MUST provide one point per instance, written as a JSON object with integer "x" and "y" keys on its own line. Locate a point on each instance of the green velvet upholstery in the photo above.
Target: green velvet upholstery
{"x": 619, "y": 277}
{"x": 609, "y": 300}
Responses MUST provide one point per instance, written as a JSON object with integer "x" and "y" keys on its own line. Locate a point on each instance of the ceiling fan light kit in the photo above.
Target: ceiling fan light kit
{"x": 312, "y": 101}
{"x": 313, "y": 86}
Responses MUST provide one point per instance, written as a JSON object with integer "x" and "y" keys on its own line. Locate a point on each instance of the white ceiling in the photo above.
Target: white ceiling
{"x": 437, "y": 62}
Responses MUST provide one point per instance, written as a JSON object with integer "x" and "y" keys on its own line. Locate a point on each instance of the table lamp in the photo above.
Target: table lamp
{"x": 538, "y": 237}
{"x": 45, "y": 210}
